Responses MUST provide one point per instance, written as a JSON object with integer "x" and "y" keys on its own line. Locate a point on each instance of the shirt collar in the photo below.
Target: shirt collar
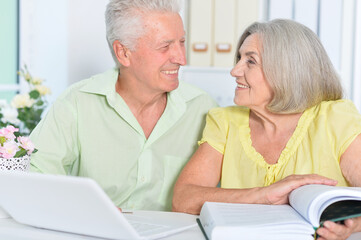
{"x": 103, "y": 83}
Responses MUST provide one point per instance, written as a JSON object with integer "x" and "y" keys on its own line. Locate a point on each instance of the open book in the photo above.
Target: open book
{"x": 311, "y": 205}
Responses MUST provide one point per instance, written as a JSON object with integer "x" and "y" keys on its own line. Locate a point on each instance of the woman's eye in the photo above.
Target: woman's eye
{"x": 250, "y": 61}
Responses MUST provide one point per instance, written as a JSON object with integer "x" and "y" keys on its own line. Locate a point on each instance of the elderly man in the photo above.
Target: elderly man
{"x": 133, "y": 128}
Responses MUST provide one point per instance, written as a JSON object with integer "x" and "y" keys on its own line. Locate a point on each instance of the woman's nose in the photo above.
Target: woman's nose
{"x": 237, "y": 70}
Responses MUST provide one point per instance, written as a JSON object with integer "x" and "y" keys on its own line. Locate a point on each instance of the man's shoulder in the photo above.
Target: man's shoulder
{"x": 96, "y": 84}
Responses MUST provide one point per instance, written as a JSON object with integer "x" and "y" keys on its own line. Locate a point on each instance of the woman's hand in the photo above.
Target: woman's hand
{"x": 278, "y": 192}
{"x": 334, "y": 231}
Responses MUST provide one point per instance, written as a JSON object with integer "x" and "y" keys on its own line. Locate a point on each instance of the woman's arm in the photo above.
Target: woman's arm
{"x": 350, "y": 164}
{"x": 198, "y": 183}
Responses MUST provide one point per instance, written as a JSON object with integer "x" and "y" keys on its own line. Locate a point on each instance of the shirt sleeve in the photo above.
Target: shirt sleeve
{"x": 215, "y": 131}
{"x": 344, "y": 125}
{"x": 55, "y": 139}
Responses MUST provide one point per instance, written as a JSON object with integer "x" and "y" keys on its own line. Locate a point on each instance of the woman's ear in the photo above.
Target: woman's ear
{"x": 122, "y": 53}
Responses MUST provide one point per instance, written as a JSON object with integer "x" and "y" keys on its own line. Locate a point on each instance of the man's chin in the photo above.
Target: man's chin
{"x": 173, "y": 86}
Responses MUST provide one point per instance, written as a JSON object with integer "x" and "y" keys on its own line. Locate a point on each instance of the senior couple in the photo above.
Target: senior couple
{"x": 134, "y": 129}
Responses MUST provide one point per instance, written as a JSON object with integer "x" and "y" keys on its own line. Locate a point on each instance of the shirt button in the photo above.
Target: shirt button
{"x": 142, "y": 179}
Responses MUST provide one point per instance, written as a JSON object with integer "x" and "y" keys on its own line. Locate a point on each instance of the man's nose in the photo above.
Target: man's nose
{"x": 179, "y": 55}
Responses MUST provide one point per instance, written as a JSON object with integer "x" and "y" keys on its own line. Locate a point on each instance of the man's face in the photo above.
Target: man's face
{"x": 159, "y": 53}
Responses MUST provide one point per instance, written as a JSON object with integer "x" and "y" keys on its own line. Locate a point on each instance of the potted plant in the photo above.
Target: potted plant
{"x": 14, "y": 151}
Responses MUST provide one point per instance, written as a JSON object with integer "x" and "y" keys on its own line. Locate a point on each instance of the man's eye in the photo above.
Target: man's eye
{"x": 250, "y": 61}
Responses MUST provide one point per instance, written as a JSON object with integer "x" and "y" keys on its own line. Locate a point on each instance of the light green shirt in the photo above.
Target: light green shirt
{"x": 90, "y": 131}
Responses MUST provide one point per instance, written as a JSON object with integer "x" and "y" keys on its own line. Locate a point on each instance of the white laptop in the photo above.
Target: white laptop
{"x": 78, "y": 205}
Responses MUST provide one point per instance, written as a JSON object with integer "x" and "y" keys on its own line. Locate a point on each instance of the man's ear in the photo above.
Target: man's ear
{"x": 122, "y": 53}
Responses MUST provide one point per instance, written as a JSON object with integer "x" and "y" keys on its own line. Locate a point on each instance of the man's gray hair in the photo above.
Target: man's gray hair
{"x": 123, "y": 19}
{"x": 295, "y": 64}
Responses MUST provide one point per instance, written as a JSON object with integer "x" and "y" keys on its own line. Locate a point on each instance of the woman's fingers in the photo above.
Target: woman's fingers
{"x": 278, "y": 192}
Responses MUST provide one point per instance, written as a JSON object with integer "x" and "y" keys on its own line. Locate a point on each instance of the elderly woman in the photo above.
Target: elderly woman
{"x": 291, "y": 127}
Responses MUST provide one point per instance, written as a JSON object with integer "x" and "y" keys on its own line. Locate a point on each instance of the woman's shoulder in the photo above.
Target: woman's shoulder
{"x": 337, "y": 110}
{"x": 232, "y": 115}
{"x": 342, "y": 105}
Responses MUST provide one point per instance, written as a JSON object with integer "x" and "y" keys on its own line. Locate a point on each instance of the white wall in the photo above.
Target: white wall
{"x": 88, "y": 51}
{"x": 63, "y": 41}
{"x": 338, "y": 24}
{"x": 356, "y": 80}
{"x": 218, "y": 82}
{"x": 43, "y": 41}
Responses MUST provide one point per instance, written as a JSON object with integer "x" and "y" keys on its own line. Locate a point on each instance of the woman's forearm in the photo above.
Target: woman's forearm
{"x": 190, "y": 198}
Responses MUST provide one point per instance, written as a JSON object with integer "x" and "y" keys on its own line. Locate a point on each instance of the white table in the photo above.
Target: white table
{"x": 11, "y": 230}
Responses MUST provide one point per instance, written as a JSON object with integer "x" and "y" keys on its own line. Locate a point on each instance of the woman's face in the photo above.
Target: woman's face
{"x": 252, "y": 90}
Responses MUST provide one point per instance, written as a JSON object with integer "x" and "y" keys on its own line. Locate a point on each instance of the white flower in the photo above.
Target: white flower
{"x": 36, "y": 81}
{"x": 22, "y": 100}
{"x": 10, "y": 115}
{"x": 3, "y": 103}
{"x": 43, "y": 90}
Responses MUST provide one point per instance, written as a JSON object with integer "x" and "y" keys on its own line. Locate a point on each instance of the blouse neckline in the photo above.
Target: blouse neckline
{"x": 287, "y": 152}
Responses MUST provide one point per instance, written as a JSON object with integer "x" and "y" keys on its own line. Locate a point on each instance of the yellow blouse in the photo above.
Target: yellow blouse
{"x": 322, "y": 135}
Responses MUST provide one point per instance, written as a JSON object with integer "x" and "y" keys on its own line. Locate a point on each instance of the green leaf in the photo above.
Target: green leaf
{"x": 17, "y": 134}
{"x": 22, "y": 152}
{"x": 39, "y": 103}
{"x": 2, "y": 140}
{"x": 34, "y": 94}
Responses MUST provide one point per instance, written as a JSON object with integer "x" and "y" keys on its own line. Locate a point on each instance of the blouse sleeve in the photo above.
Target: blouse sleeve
{"x": 215, "y": 131}
{"x": 344, "y": 125}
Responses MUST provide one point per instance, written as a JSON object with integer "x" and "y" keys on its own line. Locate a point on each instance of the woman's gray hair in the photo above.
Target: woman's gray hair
{"x": 295, "y": 64}
{"x": 123, "y": 19}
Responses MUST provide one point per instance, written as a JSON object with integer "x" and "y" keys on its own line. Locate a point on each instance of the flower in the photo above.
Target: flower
{"x": 10, "y": 146}
{"x": 10, "y": 115}
{"x": 22, "y": 101}
{"x": 26, "y": 144}
{"x": 9, "y": 149}
{"x": 8, "y": 132}
{"x": 36, "y": 81}
{"x": 26, "y": 109}
{"x": 3, "y": 103}
{"x": 43, "y": 90}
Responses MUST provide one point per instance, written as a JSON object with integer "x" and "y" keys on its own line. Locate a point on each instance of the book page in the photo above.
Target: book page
{"x": 310, "y": 200}
{"x": 269, "y": 218}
